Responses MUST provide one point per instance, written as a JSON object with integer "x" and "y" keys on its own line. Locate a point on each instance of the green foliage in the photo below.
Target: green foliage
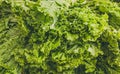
{"x": 59, "y": 37}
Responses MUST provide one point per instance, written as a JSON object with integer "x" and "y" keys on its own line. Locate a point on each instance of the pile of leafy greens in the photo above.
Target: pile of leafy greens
{"x": 59, "y": 37}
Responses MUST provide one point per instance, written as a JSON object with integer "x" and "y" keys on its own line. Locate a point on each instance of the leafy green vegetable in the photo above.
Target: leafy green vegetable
{"x": 59, "y": 37}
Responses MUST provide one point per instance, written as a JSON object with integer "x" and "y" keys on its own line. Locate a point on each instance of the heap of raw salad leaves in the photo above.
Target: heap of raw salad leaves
{"x": 59, "y": 37}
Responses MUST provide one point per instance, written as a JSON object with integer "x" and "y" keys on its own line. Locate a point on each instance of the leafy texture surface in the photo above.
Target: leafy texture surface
{"x": 59, "y": 37}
